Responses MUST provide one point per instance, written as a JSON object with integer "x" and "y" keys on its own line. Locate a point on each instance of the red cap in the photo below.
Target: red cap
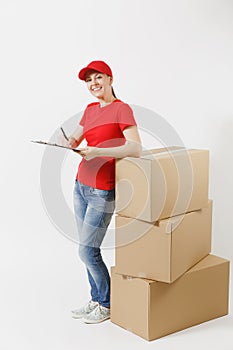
{"x": 99, "y": 66}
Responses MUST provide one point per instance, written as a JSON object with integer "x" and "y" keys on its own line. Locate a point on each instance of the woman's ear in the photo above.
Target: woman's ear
{"x": 111, "y": 79}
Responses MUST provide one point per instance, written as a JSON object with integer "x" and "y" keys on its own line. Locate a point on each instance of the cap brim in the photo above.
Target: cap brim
{"x": 83, "y": 72}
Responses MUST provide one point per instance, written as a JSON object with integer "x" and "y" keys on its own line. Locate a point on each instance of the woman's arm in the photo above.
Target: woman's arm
{"x": 131, "y": 148}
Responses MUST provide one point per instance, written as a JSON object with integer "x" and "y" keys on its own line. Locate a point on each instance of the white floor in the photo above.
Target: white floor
{"x": 36, "y": 298}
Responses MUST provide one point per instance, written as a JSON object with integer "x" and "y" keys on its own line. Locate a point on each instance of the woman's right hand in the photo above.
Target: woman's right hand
{"x": 74, "y": 140}
{"x": 71, "y": 142}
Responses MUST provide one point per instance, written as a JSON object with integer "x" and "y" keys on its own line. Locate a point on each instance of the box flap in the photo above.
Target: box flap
{"x": 168, "y": 152}
{"x": 172, "y": 221}
{"x": 208, "y": 261}
{"x": 160, "y": 151}
{"x": 141, "y": 280}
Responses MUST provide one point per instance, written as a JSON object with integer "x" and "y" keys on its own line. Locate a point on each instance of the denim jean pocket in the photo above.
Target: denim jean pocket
{"x": 98, "y": 192}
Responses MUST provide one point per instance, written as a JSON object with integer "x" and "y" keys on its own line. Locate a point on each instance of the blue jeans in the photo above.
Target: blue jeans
{"x": 93, "y": 212}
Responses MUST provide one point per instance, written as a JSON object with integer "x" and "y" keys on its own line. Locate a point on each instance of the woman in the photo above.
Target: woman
{"x": 111, "y": 132}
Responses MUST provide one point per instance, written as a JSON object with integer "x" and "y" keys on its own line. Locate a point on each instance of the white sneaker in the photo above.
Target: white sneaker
{"x": 99, "y": 314}
{"x": 84, "y": 310}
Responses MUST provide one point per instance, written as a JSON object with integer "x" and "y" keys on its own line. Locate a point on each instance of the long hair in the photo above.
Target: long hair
{"x": 113, "y": 92}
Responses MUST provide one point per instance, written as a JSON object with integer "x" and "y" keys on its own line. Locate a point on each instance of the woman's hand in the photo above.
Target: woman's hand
{"x": 71, "y": 142}
{"x": 88, "y": 152}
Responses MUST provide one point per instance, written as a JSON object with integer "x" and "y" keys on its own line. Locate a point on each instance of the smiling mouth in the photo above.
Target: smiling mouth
{"x": 96, "y": 89}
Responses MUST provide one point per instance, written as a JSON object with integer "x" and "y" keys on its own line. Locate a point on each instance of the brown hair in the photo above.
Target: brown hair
{"x": 113, "y": 92}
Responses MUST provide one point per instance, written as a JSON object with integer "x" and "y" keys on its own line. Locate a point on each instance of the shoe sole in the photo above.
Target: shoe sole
{"x": 73, "y": 315}
{"x": 76, "y": 317}
{"x": 95, "y": 322}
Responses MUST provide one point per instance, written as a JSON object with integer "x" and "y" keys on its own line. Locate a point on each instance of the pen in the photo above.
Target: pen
{"x": 64, "y": 134}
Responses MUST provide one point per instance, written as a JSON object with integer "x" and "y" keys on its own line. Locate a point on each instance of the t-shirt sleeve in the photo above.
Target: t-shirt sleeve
{"x": 84, "y": 116}
{"x": 125, "y": 116}
{"x": 83, "y": 119}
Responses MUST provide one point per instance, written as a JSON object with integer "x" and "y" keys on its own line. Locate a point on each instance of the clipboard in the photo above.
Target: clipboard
{"x": 56, "y": 145}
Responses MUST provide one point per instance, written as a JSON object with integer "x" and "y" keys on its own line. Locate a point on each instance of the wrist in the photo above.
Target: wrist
{"x": 98, "y": 152}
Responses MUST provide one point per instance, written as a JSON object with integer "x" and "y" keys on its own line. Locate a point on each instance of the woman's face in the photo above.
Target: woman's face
{"x": 99, "y": 84}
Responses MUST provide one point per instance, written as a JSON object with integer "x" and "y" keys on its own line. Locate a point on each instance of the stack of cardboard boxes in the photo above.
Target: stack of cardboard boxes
{"x": 165, "y": 278}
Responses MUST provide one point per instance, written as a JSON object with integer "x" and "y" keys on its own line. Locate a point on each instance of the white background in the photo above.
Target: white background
{"x": 173, "y": 57}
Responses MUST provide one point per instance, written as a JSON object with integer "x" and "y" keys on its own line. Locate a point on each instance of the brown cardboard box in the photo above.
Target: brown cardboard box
{"x": 153, "y": 309}
{"x": 165, "y": 250}
{"x": 162, "y": 183}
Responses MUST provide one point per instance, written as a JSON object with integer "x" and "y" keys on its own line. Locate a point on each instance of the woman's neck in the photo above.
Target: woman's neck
{"x": 106, "y": 101}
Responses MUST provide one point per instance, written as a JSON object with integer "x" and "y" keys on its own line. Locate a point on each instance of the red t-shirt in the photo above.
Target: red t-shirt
{"x": 103, "y": 127}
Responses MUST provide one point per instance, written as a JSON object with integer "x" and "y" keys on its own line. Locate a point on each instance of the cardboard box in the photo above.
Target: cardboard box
{"x": 153, "y": 309}
{"x": 162, "y": 183}
{"x": 165, "y": 250}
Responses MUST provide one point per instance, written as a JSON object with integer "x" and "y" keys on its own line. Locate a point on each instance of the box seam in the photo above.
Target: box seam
{"x": 151, "y": 189}
{"x": 148, "y": 312}
{"x": 170, "y": 267}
